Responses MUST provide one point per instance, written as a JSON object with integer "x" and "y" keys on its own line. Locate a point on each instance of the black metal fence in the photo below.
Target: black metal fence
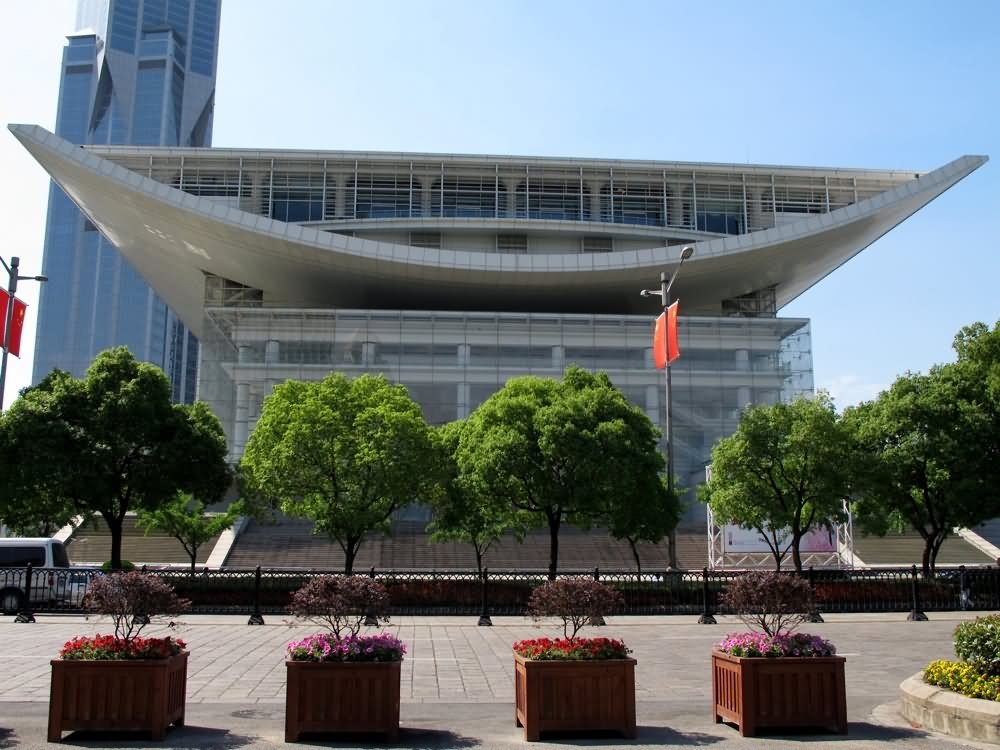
{"x": 259, "y": 592}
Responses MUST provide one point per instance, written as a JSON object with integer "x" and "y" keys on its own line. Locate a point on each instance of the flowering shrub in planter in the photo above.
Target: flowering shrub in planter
{"x": 108, "y": 647}
{"x": 573, "y": 683}
{"x": 340, "y": 680}
{"x": 148, "y": 675}
{"x": 977, "y": 673}
{"x": 357, "y": 648}
{"x": 773, "y": 661}
{"x": 567, "y": 649}
{"x": 773, "y": 646}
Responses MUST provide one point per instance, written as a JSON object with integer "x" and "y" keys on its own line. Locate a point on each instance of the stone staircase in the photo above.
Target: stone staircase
{"x": 290, "y": 543}
{"x": 90, "y": 544}
{"x": 899, "y": 550}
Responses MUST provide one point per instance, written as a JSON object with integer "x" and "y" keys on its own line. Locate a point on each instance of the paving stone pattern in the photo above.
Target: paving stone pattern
{"x": 461, "y": 674}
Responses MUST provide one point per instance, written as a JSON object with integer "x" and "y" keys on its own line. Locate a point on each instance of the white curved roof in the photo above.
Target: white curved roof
{"x": 172, "y": 238}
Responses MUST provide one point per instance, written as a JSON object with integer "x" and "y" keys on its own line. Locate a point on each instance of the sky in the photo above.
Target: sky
{"x": 888, "y": 85}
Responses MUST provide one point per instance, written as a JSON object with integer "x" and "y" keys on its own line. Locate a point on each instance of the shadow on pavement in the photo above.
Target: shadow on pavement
{"x": 408, "y": 737}
{"x": 856, "y": 731}
{"x": 7, "y": 737}
{"x": 186, "y": 736}
{"x": 656, "y": 736}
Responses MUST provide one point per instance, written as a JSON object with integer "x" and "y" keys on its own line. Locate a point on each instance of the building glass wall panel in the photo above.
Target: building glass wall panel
{"x": 339, "y": 188}
{"x": 452, "y": 362}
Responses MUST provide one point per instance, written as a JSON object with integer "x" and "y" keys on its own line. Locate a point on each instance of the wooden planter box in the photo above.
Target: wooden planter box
{"x": 333, "y": 697}
{"x": 786, "y": 692}
{"x": 572, "y": 696}
{"x": 144, "y": 695}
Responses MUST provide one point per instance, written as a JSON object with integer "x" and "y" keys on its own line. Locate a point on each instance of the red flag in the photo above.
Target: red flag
{"x": 665, "y": 347}
{"x": 16, "y": 323}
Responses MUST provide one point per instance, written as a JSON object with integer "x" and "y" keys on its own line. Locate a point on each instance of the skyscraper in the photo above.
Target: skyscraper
{"x": 136, "y": 72}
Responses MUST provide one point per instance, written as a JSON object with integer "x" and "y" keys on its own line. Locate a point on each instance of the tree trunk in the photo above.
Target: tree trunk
{"x": 479, "y": 560}
{"x": 938, "y": 541}
{"x": 194, "y": 558}
{"x": 350, "y": 547}
{"x": 554, "y": 521}
{"x": 925, "y": 562}
{"x": 638, "y": 562}
{"x": 115, "y": 529}
{"x": 796, "y": 555}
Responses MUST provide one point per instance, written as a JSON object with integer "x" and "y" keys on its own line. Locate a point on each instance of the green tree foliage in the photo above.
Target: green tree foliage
{"x": 560, "y": 450}
{"x": 183, "y": 518}
{"x": 106, "y": 444}
{"x": 925, "y": 459}
{"x": 783, "y": 472}
{"x": 465, "y": 511}
{"x": 978, "y": 365}
{"x": 345, "y": 453}
{"x": 642, "y": 509}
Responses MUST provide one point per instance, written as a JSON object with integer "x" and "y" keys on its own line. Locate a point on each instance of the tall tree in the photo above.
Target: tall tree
{"x": 978, "y": 362}
{"x": 927, "y": 458}
{"x": 783, "y": 472}
{"x": 110, "y": 443}
{"x": 559, "y": 450}
{"x": 643, "y": 510}
{"x": 345, "y": 453}
{"x": 184, "y": 518}
{"x": 465, "y": 511}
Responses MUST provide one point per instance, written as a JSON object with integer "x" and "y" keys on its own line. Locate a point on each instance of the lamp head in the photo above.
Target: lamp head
{"x": 686, "y": 252}
{"x": 41, "y": 278}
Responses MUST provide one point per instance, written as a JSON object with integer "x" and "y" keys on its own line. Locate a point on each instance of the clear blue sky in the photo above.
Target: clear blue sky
{"x": 895, "y": 85}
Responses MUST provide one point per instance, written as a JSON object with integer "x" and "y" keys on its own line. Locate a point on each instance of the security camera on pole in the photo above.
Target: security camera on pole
{"x": 12, "y": 318}
{"x": 665, "y": 351}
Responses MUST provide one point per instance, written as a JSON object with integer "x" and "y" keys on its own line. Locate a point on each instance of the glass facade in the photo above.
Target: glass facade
{"x": 339, "y": 188}
{"x": 143, "y": 73}
{"x": 451, "y": 362}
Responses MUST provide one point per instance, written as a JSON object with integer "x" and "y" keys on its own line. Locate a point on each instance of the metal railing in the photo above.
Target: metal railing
{"x": 258, "y": 592}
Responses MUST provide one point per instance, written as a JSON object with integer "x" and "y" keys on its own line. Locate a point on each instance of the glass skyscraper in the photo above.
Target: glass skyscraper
{"x": 136, "y": 72}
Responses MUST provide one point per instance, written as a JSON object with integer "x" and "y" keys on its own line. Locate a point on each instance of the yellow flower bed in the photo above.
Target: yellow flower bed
{"x": 962, "y": 678}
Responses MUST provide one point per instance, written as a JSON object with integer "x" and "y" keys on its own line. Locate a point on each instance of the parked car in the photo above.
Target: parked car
{"x": 52, "y": 580}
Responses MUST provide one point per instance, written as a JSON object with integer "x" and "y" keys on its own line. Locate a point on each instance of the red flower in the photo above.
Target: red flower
{"x": 572, "y": 649}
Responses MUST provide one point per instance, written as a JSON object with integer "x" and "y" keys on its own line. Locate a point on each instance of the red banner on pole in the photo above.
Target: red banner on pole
{"x": 665, "y": 347}
{"x": 16, "y": 324}
{"x": 673, "y": 349}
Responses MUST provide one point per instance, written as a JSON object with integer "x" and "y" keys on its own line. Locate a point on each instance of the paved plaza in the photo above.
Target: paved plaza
{"x": 457, "y": 681}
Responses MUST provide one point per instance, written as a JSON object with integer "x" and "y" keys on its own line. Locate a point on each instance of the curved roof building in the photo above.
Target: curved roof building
{"x": 452, "y": 273}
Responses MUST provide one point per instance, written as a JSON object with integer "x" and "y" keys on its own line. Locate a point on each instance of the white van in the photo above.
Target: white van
{"x": 52, "y": 584}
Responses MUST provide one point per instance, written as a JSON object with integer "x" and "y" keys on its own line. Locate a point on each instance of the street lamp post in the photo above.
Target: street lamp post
{"x": 665, "y": 284}
{"x": 12, "y": 279}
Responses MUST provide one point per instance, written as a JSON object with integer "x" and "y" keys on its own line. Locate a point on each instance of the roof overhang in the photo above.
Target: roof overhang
{"x": 174, "y": 238}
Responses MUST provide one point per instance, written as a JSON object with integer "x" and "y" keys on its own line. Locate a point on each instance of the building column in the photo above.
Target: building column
{"x": 426, "y": 195}
{"x": 742, "y": 357}
{"x": 558, "y": 357}
{"x": 754, "y": 206}
{"x": 653, "y": 404}
{"x": 272, "y": 351}
{"x": 242, "y": 430}
{"x": 244, "y": 354}
{"x": 743, "y": 397}
{"x": 463, "y": 392}
{"x": 676, "y": 205}
{"x": 340, "y": 197}
{"x": 595, "y": 199}
{"x": 510, "y": 185}
{"x": 462, "y": 354}
{"x": 256, "y": 196}
{"x": 369, "y": 352}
